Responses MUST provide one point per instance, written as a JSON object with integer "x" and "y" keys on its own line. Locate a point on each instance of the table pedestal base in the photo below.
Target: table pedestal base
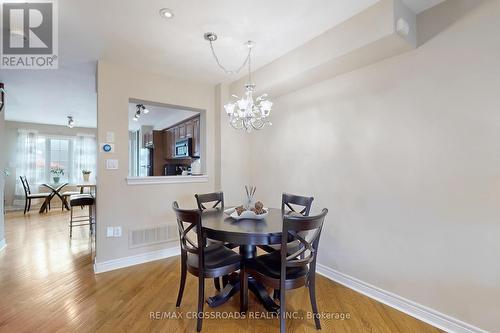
{"x": 233, "y": 287}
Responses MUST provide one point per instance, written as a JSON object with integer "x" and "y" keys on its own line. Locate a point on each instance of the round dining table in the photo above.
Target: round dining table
{"x": 247, "y": 234}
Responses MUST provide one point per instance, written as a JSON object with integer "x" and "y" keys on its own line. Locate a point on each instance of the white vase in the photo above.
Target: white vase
{"x": 86, "y": 177}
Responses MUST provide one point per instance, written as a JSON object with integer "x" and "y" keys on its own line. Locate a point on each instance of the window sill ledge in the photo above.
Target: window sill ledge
{"x": 166, "y": 180}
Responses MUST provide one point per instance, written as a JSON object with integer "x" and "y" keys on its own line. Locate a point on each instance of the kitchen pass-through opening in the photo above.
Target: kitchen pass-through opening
{"x": 165, "y": 140}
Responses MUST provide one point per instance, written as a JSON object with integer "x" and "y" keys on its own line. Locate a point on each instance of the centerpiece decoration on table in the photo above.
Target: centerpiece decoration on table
{"x": 86, "y": 175}
{"x": 250, "y": 209}
{"x": 56, "y": 173}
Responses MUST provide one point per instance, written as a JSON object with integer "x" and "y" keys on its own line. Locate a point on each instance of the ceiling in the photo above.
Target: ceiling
{"x": 158, "y": 117}
{"x": 132, "y": 33}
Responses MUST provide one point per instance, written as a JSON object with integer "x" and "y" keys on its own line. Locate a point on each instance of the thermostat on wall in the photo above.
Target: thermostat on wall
{"x": 108, "y": 148}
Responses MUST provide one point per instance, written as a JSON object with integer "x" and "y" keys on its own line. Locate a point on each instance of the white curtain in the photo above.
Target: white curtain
{"x": 84, "y": 156}
{"x": 26, "y": 163}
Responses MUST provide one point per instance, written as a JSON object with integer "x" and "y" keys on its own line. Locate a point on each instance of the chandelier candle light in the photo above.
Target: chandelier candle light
{"x": 245, "y": 113}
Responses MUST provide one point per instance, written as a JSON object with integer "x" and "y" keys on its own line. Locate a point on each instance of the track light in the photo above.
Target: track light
{"x": 140, "y": 108}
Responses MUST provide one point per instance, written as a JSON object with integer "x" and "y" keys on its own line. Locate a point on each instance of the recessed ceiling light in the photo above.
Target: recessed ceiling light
{"x": 166, "y": 13}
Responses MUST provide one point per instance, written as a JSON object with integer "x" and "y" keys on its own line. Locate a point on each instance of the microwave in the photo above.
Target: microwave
{"x": 183, "y": 148}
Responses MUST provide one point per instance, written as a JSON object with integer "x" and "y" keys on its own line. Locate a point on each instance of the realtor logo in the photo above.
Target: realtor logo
{"x": 29, "y": 35}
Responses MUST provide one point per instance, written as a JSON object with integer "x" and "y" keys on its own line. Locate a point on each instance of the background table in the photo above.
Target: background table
{"x": 55, "y": 191}
{"x": 83, "y": 185}
{"x": 247, "y": 234}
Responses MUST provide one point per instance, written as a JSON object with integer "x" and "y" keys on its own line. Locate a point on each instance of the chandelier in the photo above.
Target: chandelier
{"x": 245, "y": 112}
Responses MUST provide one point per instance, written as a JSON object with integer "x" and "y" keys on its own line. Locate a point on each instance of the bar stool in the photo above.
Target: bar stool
{"x": 82, "y": 220}
{"x": 65, "y": 196}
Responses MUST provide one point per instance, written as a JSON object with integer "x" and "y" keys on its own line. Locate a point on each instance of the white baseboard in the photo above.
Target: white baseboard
{"x": 2, "y": 244}
{"x": 14, "y": 208}
{"x": 105, "y": 266}
{"x": 430, "y": 316}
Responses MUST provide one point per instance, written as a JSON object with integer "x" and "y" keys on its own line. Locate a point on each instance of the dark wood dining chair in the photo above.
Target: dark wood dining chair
{"x": 216, "y": 201}
{"x": 283, "y": 271}
{"x": 290, "y": 201}
{"x": 291, "y": 204}
{"x": 198, "y": 259}
{"x": 29, "y": 196}
{"x": 216, "y": 198}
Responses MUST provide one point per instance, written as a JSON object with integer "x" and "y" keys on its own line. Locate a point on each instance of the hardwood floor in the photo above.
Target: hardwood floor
{"x": 47, "y": 284}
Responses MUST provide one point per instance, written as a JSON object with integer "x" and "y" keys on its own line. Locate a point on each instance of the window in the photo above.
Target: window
{"x": 38, "y": 153}
{"x": 59, "y": 156}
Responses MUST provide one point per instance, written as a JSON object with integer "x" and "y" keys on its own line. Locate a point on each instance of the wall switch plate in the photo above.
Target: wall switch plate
{"x": 109, "y": 232}
{"x": 118, "y": 232}
{"x": 111, "y": 164}
{"x": 110, "y": 137}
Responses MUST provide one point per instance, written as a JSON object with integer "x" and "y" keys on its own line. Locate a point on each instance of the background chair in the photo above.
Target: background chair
{"x": 204, "y": 262}
{"x": 283, "y": 271}
{"x": 29, "y": 196}
{"x": 289, "y": 203}
{"x": 217, "y": 198}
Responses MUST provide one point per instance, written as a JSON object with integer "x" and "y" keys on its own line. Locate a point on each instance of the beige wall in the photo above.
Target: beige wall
{"x": 134, "y": 206}
{"x": 235, "y": 154}
{"x": 2, "y": 176}
{"x": 406, "y": 155}
{"x": 11, "y": 132}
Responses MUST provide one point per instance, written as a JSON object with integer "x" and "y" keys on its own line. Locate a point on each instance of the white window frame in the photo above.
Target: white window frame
{"x": 48, "y": 157}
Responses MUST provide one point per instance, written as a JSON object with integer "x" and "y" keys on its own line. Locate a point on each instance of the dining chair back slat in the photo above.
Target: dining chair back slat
{"x": 26, "y": 186}
{"x": 190, "y": 220}
{"x": 217, "y": 198}
{"x": 294, "y": 227}
{"x": 291, "y": 200}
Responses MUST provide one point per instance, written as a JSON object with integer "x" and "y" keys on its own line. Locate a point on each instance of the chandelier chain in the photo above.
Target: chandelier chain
{"x": 249, "y": 65}
{"x": 245, "y": 113}
{"x": 227, "y": 71}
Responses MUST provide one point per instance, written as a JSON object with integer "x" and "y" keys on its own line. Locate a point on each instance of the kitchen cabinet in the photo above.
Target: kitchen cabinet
{"x": 158, "y": 153}
{"x": 166, "y": 145}
{"x": 182, "y": 131}
{"x": 170, "y": 143}
{"x": 177, "y": 133}
{"x": 196, "y": 136}
{"x": 187, "y": 129}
